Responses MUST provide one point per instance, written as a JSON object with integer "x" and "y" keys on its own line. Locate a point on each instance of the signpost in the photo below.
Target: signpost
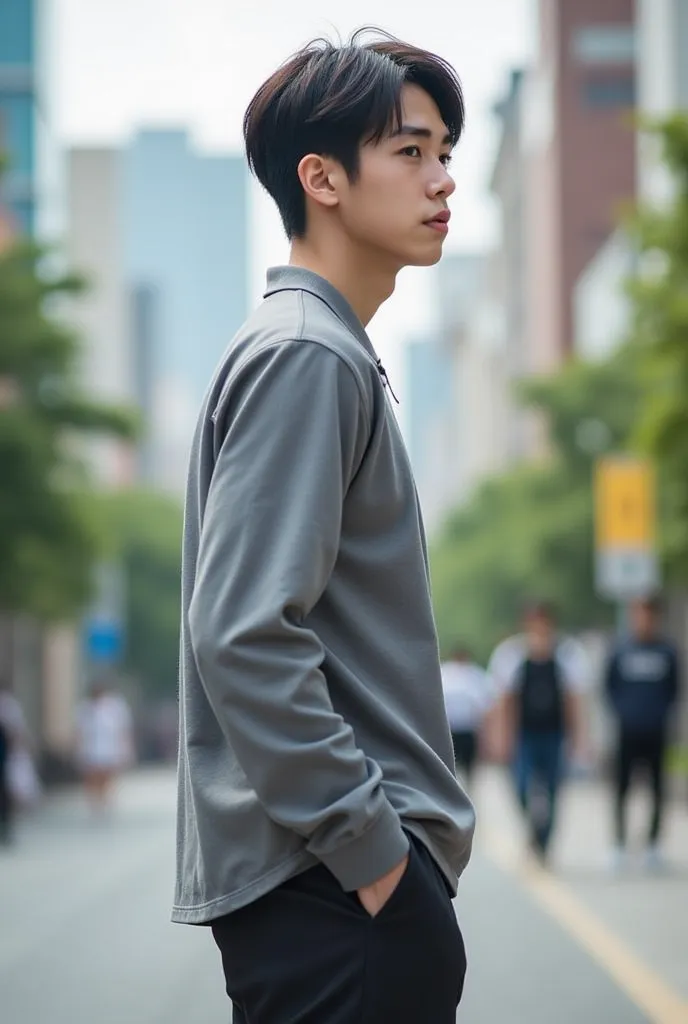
{"x": 626, "y": 566}
{"x": 103, "y": 638}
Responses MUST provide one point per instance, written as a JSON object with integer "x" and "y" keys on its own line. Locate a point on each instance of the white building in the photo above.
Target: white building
{"x": 484, "y": 382}
{"x": 662, "y": 80}
{"x": 601, "y": 313}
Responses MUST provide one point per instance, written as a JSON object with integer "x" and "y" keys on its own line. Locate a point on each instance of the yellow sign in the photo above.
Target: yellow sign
{"x": 624, "y": 503}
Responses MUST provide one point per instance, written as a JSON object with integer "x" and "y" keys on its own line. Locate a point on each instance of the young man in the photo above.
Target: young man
{"x": 321, "y": 828}
{"x": 468, "y": 696}
{"x": 541, "y": 676}
{"x": 642, "y": 686}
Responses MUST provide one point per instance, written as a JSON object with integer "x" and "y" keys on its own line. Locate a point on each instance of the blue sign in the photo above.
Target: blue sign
{"x": 104, "y": 640}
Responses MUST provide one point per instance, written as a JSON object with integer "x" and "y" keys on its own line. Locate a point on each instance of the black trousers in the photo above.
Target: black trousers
{"x": 640, "y": 750}
{"x": 309, "y": 953}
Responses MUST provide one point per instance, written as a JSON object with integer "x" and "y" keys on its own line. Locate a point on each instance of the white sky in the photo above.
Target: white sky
{"x": 125, "y": 63}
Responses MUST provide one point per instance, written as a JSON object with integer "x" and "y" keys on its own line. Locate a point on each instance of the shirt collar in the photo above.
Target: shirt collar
{"x": 290, "y": 279}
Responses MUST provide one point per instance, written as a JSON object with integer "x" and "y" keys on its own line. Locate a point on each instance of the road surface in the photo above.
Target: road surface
{"x": 85, "y": 938}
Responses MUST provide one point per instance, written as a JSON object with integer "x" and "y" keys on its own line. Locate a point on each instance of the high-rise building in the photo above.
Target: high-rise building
{"x": 185, "y": 244}
{"x": 33, "y": 180}
{"x": 163, "y": 232}
{"x": 102, "y": 315}
{"x": 602, "y": 313}
{"x": 580, "y": 153}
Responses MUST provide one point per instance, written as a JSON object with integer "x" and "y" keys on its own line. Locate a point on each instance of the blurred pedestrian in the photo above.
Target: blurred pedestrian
{"x": 541, "y": 676}
{"x": 468, "y": 696}
{"x": 321, "y": 828}
{"x": 19, "y": 782}
{"x": 105, "y": 745}
{"x": 642, "y": 684}
{"x": 5, "y": 798}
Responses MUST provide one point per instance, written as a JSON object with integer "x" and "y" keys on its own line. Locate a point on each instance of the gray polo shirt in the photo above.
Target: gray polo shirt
{"x": 312, "y": 718}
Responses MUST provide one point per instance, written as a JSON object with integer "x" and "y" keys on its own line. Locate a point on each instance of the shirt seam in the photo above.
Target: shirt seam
{"x": 302, "y": 339}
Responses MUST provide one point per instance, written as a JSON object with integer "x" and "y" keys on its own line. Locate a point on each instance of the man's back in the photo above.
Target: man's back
{"x": 307, "y": 633}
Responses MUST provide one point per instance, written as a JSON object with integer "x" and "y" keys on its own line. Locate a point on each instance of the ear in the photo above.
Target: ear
{"x": 318, "y": 177}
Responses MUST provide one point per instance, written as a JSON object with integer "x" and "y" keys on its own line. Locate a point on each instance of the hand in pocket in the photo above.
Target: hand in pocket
{"x": 374, "y": 897}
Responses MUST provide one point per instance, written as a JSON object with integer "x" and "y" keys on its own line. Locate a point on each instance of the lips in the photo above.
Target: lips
{"x": 440, "y": 222}
{"x": 440, "y": 218}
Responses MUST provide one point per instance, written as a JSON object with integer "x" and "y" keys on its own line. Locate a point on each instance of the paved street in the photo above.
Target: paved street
{"x": 85, "y": 937}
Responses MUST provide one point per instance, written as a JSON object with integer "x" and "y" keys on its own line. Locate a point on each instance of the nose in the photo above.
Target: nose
{"x": 442, "y": 184}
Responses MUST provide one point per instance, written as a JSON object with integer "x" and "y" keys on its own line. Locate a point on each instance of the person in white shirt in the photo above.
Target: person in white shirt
{"x": 468, "y": 696}
{"x": 105, "y": 744}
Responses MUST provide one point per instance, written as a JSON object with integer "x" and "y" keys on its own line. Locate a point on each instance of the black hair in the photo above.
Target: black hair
{"x": 329, "y": 100}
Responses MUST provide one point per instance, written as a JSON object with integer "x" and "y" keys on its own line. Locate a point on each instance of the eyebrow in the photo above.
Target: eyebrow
{"x": 422, "y": 133}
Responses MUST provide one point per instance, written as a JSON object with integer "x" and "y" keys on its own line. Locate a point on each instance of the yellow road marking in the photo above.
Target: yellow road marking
{"x": 649, "y": 992}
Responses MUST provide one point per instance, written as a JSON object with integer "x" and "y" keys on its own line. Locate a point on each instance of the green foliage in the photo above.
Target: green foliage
{"x": 146, "y": 532}
{"x": 659, "y": 297}
{"x": 49, "y": 536}
{"x": 529, "y": 534}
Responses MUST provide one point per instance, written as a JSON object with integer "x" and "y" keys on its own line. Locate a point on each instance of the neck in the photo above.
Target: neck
{"x": 354, "y": 272}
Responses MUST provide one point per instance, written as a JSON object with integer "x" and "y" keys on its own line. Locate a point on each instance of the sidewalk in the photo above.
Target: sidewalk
{"x": 647, "y": 912}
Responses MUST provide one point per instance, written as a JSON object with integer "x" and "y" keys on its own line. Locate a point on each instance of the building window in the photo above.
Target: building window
{"x": 605, "y": 44}
{"x": 616, "y": 91}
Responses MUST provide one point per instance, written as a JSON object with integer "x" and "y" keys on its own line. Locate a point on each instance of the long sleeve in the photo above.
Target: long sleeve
{"x": 296, "y": 429}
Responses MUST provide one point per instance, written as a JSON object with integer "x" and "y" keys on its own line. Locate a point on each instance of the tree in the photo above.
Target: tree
{"x": 659, "y": 340}
{"x": 49, "y": 536}
{"x": 529, "y": 533}
{"x": 146, "y": 533}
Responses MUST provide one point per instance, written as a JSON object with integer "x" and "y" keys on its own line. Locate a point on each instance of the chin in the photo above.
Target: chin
{"x": 426, "y": 259}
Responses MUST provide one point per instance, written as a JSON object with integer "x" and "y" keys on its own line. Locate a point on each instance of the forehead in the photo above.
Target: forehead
{"x": 419, "y": 109}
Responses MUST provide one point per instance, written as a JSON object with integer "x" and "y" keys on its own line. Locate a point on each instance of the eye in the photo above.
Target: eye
{"x": 446, "y": 159}
{"x": 410, "y": 151}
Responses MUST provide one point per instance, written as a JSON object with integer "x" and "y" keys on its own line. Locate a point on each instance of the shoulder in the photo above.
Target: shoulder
{"x": 506, "y": 661}
{"x": 302, "y": 338}
{"x": 574, "y": 662}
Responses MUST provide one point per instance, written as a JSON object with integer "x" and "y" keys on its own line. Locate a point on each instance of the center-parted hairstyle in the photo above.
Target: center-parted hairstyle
{"x": 331, "y": 100}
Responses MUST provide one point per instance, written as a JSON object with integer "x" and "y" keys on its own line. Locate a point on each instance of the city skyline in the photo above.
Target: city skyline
{"x": 198, "y": 67}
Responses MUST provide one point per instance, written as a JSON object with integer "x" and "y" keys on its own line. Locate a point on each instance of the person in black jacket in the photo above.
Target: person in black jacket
{"x": 642, "y": 684}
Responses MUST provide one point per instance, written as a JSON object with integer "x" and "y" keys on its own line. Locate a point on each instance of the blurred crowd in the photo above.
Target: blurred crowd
{"x": 528, "y": 709}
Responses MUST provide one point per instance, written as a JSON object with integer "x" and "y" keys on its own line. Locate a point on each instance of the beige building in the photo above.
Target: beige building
{"x": 102, "y": 315}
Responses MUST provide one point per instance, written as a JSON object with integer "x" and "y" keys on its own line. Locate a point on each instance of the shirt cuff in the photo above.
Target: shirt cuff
{"x": 371, "y": 855}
